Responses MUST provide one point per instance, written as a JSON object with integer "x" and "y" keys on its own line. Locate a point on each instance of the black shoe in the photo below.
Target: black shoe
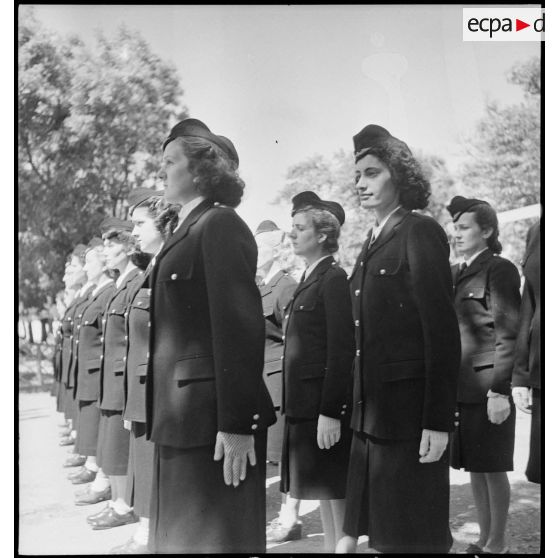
{"x": 276, "y": 532}
{"x": 92, "y": 497}
{"x": 112, "y": 519}
{"x": 83, "y": 476}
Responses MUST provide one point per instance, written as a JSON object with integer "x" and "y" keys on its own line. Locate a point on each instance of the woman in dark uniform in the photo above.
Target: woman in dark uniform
{"x": 527, "y": 368}
{"x": 318, "y": 355}
{"x": 207, "y": 406}
{"x": 407, "y": 359}
{"x": 150, "y": 217}
{"x": 487, "y": 301}
{"x": 114, "y": 440}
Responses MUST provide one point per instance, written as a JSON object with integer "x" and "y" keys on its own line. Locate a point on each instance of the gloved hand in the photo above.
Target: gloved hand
{"x": 432, "y": 445}
{"x": 329, "y": 431}
{"x": 237, "y": 449}
{"x": 128, "y": 424}
{"x": 498, "y": 409}
{"x": 521, "y": 398}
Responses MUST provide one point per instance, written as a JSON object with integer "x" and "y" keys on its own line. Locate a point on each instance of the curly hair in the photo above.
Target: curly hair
{"x": 164, "y": 214}
{"x": 326, "y": 223}
{"x": 215, "y": 174}
{"x": 406, "y": 173}
{"x": 124, "y": 237}
{"x": 487, "y": 218}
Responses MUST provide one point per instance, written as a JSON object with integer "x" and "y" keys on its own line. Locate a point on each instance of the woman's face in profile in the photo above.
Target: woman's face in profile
{"x": 304, "y": 238}
{"x": 145, "y": 231}
{"x": 176, "y": 177}
{"x": 94, "y": 264}
{"x": 469, "y": 237}
{"x": 374, "y": 186}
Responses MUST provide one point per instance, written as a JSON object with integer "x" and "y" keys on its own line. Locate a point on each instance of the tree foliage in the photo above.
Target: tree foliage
{"x": 90, "y": 126}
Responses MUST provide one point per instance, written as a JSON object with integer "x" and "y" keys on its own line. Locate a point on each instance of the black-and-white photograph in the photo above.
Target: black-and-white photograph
{"x": 279, "y": 279}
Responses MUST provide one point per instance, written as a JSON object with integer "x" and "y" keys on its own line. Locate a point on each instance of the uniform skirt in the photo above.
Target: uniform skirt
{"x": 113, "y": 443}
{"x": 140, "y": 470}
{"x": 193, "y": 511}
{"x": 533, "y": 471}
{"x": 60, "y": 392}
{"x": 275, "y": 438}
{"x": 88, "y": 428}
{"x": 401, "y": 504}
{"x": 479, "y": 446}
{"x": 311, "y": 473}
{"x": 70, "y": 404}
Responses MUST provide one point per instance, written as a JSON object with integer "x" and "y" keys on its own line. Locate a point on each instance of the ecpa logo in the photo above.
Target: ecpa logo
{"x": 503, "y": 24}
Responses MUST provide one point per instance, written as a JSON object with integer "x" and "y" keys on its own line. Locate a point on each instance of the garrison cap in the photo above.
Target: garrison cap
{"x": 94, "y": 242}
{"x": 115, "y": 224}
{"x": 459, "y": 205}
{"x": 266, "y": 226}
{"x": 194, "y": 128}
{"x": 311, "y": 199}
{"x": 374, "y": 136}
{"x": 139, "y": 195}
{"x": 79, "y": 251}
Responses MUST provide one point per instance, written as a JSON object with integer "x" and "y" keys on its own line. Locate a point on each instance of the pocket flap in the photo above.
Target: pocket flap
{"x": 119, "y": 367}
{"x": 172, "y": 276}
{"x": 194, "y": 368}
{"x": 404, "y": 370}
{"x": 310, "y": 371}
{"x": 474, "y": 292}
{"x": 386, "y": 266}
{"x": 93, "y": 364}
{"x": 483, "y": 360}
{"x": 304, "y": 305}
{"x": 119, "y": 310}
{"x": 141, "y": 302}
{"x": 141, "y": 370}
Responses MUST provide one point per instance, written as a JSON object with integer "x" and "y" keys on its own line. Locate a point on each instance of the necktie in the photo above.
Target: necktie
{"x": 303, "y": 277}
{"x": 462, "y": 268}
{"x": 374, "y": 234}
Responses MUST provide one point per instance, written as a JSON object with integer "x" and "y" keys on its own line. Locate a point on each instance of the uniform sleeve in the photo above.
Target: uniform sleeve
{"x": 431, "y": 285}
{"x": 520, "y": 375}
{"x": 503, "y": 284}
{"x": 340, "y": 345}
{"x": 237, "y": 326}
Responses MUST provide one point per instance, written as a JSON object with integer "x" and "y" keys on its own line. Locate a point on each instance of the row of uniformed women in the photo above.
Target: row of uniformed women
{"x": 205, "y": 399}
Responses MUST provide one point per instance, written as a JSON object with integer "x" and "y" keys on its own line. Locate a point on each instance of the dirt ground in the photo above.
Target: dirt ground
{"x": 49, "y": 522}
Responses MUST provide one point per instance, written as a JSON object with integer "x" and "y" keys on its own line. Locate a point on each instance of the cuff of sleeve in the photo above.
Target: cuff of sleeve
{"x": 491, "y": 394}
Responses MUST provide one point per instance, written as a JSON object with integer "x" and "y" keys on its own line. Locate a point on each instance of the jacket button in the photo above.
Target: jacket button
{"x": 286, "y": 317}
{"x": 344, "y": 406}
{"x": 77, "y": 342}
{"x": 124, "y": 359}
{"x": 125, "y": 338}
{"x": 359, "y": 402}
{"x": 147, "y": 355}
{"x": 125, "y": 314}
{"x": 174, "y": 276}
{"x": 456, "y": 423}
{"x": 283, "y": 338}
{"x": 456, "y": 413}
{"x": 102, "y": 339}
{"x": 112, "y": 311}
{"x": 282, "y": 357}
{"x": 301, "y": 307}
{"x": 139, "y": 303}
{"x": 361, "y": 264}
{"x": 102, "y": 356}
{"x": 256, "y": 416}
{"x": 358, "y": 352}
{"x": 470, "y": 294}
{"x": 342, "y": 412}
{"x": 80, "y": 326}
{"x": 71, "y": 337}
{"x": 254, "y": 426}
{"x": 357, "y": 323}
{"x": 382, "y": 271}
{"x": 149, "y": 292}
{"x": 357, "y": 292}
{"x": 148, "y": 324}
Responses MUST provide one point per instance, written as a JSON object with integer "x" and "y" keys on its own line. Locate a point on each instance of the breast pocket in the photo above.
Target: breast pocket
{"x": 474, "y": 295}
{"x": 141, "y": 300}
{"x": 387, "y": 267}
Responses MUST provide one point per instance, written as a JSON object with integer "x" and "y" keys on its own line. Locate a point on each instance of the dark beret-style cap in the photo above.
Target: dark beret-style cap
{"x": 266, "y": 226}
{"x": 459, "y": 205}
{"x": 374, "y": 136}
{"x": 194, "y": 128}
{"x": 138, "y": 195}
{"x": 311, "y": 199}
{"x": 94, "y": 242}
{"x": 115, "y": 224}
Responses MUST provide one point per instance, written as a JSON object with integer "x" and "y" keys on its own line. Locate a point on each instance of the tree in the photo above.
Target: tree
{"x": 334, "y": 180}
{"x": 504, "y": 155}
{"x": 90, "y": 127}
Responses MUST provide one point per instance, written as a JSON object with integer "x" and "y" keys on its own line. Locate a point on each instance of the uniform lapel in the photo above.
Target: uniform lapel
{"x": 475, "y": 266}
{"x": 182, "y": 231}
{"x": 320, "y": 269}
{"x": 388, "y": 231}
{"x": 268, "y": 287}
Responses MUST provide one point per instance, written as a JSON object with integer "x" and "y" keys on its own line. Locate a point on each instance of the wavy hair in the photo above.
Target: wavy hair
{"x": 487, "y": 218}
{"x": 326, "y": 223}
{"x": 406, "y": 173}
{"x": 215, "y": 175}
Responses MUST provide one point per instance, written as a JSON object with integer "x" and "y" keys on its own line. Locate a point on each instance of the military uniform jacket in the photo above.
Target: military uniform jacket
{"x": 68, "y": 340}
{"x": 319, "y": 345}
{"x": 76, "y": 325}
{"x": 275, "y": 297}
{"x": 90, "y": 352}
{"x": 207, "y": 333}
{"x": 527, "y": 369}
{"x": 487, "y": 303}
{"x": 57, "y": 357}
{"x": 111, "y": 396}
{"x": 137, "y": 331}
{"x": 407, "y": 336}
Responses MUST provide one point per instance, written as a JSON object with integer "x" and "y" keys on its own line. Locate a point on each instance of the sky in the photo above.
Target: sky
{"x": 289, "y": 82}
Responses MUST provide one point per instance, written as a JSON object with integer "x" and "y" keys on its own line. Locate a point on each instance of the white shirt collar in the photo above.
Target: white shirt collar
{"x": 382, "y": 223}
{"x": 313, "y": 266}
{"x": 474, "y": 257}
{"x": 129, "y": 268}
{"x": 83, "y": 289}
{"x": 103, "y": 282}
{"x": 187, "y": 209}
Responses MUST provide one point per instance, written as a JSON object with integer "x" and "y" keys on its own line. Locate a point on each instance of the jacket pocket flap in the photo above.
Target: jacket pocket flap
{"x": 483, "y": 360}
{"x": 474, "y": 292}
{"x": 310, "y": 371}
{"x": 141, "y": 370}
{"x": 304, "y": 305}
{"x": 141, "y": 302}
{"x": 118, "y": 310}
{"x": 386, "y": 266}
{"x": 404, "y": 370}
{"x": 194, "y": 368}
{"x": 119, "y": 367}
{"x": 93, "y": 364}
